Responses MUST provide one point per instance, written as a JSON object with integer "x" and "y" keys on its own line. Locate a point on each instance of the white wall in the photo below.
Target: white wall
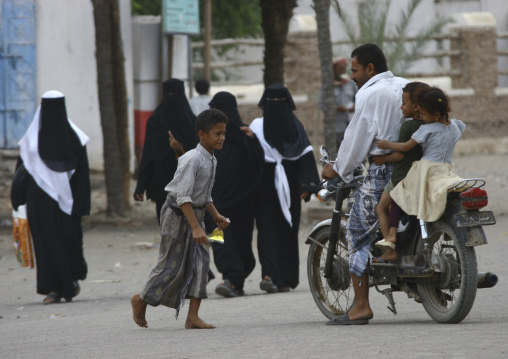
{"x": 425, "y": 13}
{"x": 66, "y": 62}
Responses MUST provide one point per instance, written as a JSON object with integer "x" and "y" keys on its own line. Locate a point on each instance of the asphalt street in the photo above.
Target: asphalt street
{"x": 98, "y": 324}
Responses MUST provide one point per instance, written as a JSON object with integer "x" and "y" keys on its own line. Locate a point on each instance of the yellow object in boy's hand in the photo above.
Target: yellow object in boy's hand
{"x": 216, "y": 236}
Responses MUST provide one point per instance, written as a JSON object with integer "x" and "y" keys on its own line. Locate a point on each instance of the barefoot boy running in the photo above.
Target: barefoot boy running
{"x": 182, "y": 268}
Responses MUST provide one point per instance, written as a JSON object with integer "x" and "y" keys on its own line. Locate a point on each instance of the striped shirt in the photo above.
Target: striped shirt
{"x": 377, "y": 117}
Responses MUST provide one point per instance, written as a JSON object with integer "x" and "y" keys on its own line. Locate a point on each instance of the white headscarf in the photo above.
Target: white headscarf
{"x": 281, "y": 179}
{"x": 55, "y": 184}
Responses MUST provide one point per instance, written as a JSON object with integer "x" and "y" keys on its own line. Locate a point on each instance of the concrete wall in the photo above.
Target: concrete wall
{"x": 477, "y": 97}
{"x": 66, "y": 62}
{"x": 424, "y": 14}
{"x": 475, "y": 94}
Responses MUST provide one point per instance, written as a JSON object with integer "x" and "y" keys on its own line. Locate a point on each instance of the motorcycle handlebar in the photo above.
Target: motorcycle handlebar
{"x": 335, "y": 181}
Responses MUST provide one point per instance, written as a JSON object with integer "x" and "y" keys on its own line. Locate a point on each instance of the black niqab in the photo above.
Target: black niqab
{"x": 173, "y": 114}
{"x": 226, "y": 102}
{"x": 281, "y": 127}
{"x": 59, "y": 146}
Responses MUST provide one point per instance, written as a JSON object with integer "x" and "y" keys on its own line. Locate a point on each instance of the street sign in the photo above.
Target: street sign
{"x": 180, "y": 17}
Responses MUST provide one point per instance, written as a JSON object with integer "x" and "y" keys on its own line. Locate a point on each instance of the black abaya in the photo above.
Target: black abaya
{"x": 283, "y": 136}
{"x": 277, "y": 240}
{"x": 57, "y": 236}
{"x": 159, "y": 161}
{"x": 238, "y": 175}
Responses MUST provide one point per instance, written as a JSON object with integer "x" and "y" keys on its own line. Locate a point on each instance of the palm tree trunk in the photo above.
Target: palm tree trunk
{"x": 275, "y": 17}
{"x": 120, "y": 104}
{"x": 113, "y": 104}
{"x": 322, "y": 8}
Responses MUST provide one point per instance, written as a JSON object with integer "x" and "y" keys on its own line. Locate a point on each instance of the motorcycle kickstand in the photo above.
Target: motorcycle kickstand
{"x": 388, "y": 294}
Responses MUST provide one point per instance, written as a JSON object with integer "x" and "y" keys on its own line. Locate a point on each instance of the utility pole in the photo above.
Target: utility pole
{"x": 208, "y": 38}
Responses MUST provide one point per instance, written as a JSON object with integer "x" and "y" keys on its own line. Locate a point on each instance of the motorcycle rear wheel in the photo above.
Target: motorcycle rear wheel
{"x": 450, "y": 300}
{"x": 331, "y": 303}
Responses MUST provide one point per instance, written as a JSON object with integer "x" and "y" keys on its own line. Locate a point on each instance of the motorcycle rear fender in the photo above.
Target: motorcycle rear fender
{"x": 325, "y": 223}
{"x": 474, "y": 236}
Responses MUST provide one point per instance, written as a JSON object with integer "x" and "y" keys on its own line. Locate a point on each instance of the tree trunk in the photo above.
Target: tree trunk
{"x": 113, "y": 104}
{"x": 322, "y": 8}
{"x": 275, "y": 17}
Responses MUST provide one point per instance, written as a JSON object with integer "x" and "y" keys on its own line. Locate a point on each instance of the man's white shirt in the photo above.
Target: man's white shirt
{"x": 377, "y": 117}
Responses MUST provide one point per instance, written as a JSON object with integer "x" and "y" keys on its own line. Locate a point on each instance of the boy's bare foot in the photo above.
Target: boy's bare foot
{"x": 391, "y": 238}
{"x": 388, "y": 256}
{"x": 197, "y": 323}
{"x": 139, "y": 310}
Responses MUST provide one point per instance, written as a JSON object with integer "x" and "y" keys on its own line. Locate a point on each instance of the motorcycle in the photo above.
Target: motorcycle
{"x": 436, "y": 263}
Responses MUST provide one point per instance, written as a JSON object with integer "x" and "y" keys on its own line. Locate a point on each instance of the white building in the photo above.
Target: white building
{"x": 50, "y": 45}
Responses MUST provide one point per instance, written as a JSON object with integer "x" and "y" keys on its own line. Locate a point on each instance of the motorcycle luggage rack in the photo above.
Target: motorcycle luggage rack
{"x": 466, "y": 184}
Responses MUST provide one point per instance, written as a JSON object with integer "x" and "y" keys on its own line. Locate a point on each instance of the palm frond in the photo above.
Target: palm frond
{"x": 350, "y": 29}
{"x": 373, "y": 28}
{"x": 401, "y": 30}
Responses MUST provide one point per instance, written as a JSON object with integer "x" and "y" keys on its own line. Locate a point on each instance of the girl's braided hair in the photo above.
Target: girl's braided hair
{"x": 433, "y": 100}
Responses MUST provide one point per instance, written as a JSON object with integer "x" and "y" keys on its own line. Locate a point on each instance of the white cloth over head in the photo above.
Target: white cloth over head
{"x": 55, "y": 184}
{"x": 273, "y": 156}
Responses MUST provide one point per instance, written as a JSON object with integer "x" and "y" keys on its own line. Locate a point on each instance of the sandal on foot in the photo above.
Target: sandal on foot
{"x": 52, "y": 298}
{"x": 285, "y": 289}
{"x": 228, "y": 290}
{"x": 344, "y": 320}
{"x": 384, "y": 244}
{"x": 267, "y": 285}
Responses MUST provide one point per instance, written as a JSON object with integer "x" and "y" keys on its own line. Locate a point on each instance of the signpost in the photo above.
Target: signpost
{"x": 180, "y": 17}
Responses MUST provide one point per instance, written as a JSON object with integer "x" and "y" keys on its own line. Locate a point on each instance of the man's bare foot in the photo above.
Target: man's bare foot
{"x": 196, "y": 323}
{"x": 355, "y": 314}
{"x": 139, "y": 310}
{"x": 389, "y": 255}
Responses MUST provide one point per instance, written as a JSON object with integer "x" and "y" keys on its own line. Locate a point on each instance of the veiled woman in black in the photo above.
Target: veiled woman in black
{"x": 159, "y": 160}
{"x": 53, "y": 180}
{"x": 237, "y": 178}
{"x": 289, "y": 171}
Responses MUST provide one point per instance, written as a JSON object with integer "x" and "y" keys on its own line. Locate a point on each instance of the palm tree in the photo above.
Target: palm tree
{"x": 322, "y": 9}
{"x": 275, "y": 17}
{"x": 113, "y": 105}
{"x": 373, "y": 28}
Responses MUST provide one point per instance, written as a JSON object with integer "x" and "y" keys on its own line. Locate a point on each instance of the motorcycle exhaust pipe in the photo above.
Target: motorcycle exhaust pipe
{"x": 486, "y": 280}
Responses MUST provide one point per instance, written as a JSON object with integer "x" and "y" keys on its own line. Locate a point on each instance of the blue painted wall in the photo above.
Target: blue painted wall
{"x": 17, "y": 70}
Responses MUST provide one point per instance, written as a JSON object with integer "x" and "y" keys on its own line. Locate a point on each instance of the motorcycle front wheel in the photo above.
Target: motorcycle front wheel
{"x": 335, "y": 298}
{"x": 450, "y": 296}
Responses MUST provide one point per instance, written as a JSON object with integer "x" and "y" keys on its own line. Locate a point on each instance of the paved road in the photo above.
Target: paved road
{"x": 286, "y": 325}
{"x": 98, "y": 324}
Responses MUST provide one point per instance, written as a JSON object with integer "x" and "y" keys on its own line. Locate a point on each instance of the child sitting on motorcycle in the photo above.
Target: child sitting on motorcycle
{"x": 402, "y": 164}
{"x": 423, "y": 192}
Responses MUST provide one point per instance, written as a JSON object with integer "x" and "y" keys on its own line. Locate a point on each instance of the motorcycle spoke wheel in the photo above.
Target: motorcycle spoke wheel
{"x": 450, "y": 297}
{"x": 331, "y": 303}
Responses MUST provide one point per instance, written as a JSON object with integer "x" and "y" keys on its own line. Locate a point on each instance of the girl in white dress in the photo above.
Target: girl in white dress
{"x": 423, "y": 191}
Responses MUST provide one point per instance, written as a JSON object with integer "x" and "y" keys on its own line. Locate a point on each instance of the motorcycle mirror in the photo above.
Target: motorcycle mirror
{"x": 324, "y": 154}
